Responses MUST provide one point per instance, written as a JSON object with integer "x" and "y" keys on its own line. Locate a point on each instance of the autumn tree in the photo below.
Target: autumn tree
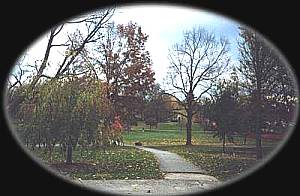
{"x": 266, "y": 77}
{"x": 125, "y": 66}
{"x": 196, "y": 63}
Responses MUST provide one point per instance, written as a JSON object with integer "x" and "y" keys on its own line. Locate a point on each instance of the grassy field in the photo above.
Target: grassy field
{"x": 114, "y": 163}
{"x": 167, "y": 137}
{"x": 167, "y": 134}
{"x": 165, "y": 126}
{"x": 170, "y": 134}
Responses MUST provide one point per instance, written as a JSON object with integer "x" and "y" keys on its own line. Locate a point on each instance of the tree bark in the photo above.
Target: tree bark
{"x": 69, "y": 152}
{"x": 245, "y": 139}
{"x": 258, "y": 122}
{"x": 258, "y": 144}
{"x": 258, "y": 134}
{"x": 224, "y": 141}
{"x": 189, "y": 110}
{"x": 189, "y": 128}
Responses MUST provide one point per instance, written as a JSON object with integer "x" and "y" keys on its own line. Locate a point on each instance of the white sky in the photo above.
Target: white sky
{"x": 164, "y": 25}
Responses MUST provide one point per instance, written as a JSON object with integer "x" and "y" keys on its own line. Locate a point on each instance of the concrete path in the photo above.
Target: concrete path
{"x": 150, "y": 187}
{"x": 172, "y": 163}
{"x": 181, "y": 177}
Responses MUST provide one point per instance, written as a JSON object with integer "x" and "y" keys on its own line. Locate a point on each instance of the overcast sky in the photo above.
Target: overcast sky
{"x": 164, "y": 25}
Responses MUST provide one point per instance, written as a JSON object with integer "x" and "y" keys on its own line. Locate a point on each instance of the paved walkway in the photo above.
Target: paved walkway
{"x": 181, "y": 178}
{"x": 173, "y": 163}
{"x": 150, "y": 187}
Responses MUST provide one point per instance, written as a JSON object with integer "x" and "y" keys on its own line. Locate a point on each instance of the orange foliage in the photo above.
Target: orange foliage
{"x": 117, "y": 125}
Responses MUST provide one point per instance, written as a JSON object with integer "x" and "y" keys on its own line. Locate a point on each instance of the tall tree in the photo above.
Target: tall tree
{"x": 266, "y": 77}
{"x": 125, "y": 66}
{"x": 196, "y": 63}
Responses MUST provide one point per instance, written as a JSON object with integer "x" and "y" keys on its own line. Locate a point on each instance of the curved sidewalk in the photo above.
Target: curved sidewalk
{"x": 181, "y": 177}
{"x": 173, "y": 163}
{"x": 151, "y": 187}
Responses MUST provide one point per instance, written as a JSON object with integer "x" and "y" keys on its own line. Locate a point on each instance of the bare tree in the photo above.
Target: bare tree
{"x": 14, "y": 85}
{"x": 72, "y": 48}
{"x": 17, "y": 76}
{"x": 75, "y": 43}
{"x": 195, "y": 64}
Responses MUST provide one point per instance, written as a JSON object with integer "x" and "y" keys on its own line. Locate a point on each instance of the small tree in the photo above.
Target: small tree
{"x": 226, "y": 110}
{"x": 156, "y": 108}
{"x": 60, "y": 113}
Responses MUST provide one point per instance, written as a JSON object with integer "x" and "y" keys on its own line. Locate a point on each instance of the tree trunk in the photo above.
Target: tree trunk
{"x": 189, "y": 118}
{"x": 189, "y": 129}
{"x": 258, "y": 123}
{"x": 258, "y": 144}
{"x": 39, "y": 138}
{"x": 69, "y": 152}
{"x": 245, "y": 139}
{"x": 224, "y": 141}
{"x": 50, "y": 148}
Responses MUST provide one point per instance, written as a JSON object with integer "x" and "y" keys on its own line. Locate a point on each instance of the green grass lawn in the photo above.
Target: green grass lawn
{"x": 114, "y": 163}
{"x": 167, "y": 134}
{"x": 167, "y": 137}
{"x": 165, "y": 126}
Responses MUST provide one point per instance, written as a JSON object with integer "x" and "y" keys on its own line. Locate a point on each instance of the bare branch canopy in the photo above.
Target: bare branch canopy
{"x": 195, "y": 63}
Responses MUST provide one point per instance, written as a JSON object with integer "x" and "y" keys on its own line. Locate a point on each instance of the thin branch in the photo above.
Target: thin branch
{"x": 203, "y": 92}
{"x": 45, "y": 76}
{"x": 59, "y": 30}
{"x": 55, "y": 45}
